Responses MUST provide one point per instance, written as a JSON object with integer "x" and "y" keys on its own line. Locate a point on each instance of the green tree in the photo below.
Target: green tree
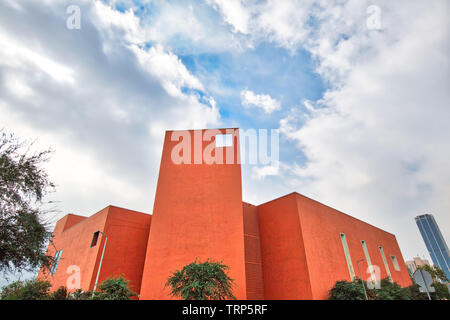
{"x": 23, "y": 183}
{"x": 391, "y": 291}
{"x": 346, "y": 290}
{"x": 415, "y": 292}
{"x": 441, "y": 291}
{"x": 114, "y": 289}
{"x": 436, "y": 272}
{"x": 26, "y": 290}
{"x": 201, "y": 281}
{"x": 80, "y": 295}
{"x": 60, "y": 294}
{"x": 110, "y": 289}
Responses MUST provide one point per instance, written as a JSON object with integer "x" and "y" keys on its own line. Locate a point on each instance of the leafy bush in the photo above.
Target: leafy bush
{"x": 26, "y": 290}
{"x": 114, "y": 289}
{"x": 416, "y": 294}
{"x": 202, "y": 281}
{"x": 391, "y": 291}
{"x": 60, "y": 294}
{"x": 110, "y": 289}
{"x": 345, "y": 290}
{"x": 80, "y": 295}
{"x": 441, "y": 291}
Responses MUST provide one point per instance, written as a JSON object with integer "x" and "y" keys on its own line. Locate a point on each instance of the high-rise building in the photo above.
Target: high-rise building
{"x": 291, "y": 247}
{"x": 416, "y": 262}
{"x": 434, "y": 241}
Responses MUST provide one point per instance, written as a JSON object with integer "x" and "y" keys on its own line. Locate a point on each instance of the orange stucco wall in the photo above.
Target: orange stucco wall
{"x": 285, "y": 270}
{"x": 321, "y": 228}
{"x": 253, "y": 264}
{"x": 302, "y": 252}
{"x": 197, "y": 214}
{"x": 127, "y": 233}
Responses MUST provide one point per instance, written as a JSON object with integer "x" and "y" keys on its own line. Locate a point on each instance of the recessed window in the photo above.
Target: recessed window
{"x": 55, "y": 262}
{"x": 385, "y": 263}
{"x": 95, "y": 239}
{"x": 395, "y": 262}
{"x": 224, "y": 140}
{"x": 369, "y": 262}
{"x": 347, "y": 257}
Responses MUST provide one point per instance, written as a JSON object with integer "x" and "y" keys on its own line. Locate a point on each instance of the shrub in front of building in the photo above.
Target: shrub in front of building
{"x": 353, "y": 290}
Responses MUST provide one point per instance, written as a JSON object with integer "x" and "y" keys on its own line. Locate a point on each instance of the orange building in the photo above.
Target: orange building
{"x": 78, "y": 245}
{"x": 288, "y": 248}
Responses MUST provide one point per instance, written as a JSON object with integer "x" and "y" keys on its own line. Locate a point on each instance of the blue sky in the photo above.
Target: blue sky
{"x": 288, "y": 78}
{"x": 361, "y": 100}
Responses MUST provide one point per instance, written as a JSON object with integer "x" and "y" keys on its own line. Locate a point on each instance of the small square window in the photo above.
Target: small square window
{"x": 95, "y": 238}
{"x": 224, "y": 140}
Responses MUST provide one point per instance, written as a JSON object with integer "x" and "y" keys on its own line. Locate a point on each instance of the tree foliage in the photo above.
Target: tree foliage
{"x": 26, "y": 290}
{"x": 201, "y": 281}
{"x": 80, "y": 295}
{"x": 435, "y": 272}
{"x": 60, "y": 294}
{"x": 114, "y": 289}
{"x": 391, "y": 291}
{"x": 441, "y": 291}
{"x": 110, "y": 289}
{"x": 23, "y": 184}
{"x": 345, "y": 290}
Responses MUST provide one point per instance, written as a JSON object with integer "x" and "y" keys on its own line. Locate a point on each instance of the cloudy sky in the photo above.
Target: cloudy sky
{"x": 359, "y": 91}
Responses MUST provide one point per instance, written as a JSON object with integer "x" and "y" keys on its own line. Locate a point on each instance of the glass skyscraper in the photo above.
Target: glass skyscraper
{"x": 436, "y": 245}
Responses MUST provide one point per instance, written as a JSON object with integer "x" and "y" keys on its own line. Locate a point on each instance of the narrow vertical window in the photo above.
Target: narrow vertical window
{"x": 395, "y": 263}
{"x": 369, "y": 262}
{"x": 347, "y": 257}
{"x": 55, "y": 262}
{"x": 386, "y": 266}
{"x": 94, "y": 239}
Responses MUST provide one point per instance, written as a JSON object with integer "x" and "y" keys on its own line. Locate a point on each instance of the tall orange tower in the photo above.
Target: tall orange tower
{"x": 198, "y": 211}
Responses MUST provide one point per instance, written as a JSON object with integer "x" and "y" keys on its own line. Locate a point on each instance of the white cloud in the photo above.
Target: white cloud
{"x": 121, "y": 26}
{"x": 234, "y": 13}
{"x": 16, "y": 54}
{"x": 260, "y": 173}
{"x": 100, "y": 96}
{"x": 167, "y": 67}
{"x": 376, "y": 146}
{"x": 191, "y": 27}
{"x": 376, "y": 143}
{"x": 263, "y": 101}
